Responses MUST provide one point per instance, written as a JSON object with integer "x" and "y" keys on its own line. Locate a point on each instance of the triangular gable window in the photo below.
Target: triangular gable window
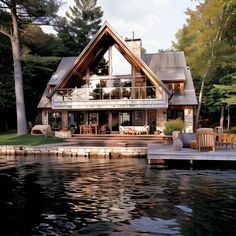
{"x": 111, "y": 63}
{"x": 101, "y": 65}
{"x": 108, "y": 64}
{"x": 120, "y": 66}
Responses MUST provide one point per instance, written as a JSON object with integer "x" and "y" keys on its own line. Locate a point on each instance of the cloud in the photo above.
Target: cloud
{"x": 154, "y": 21}
{"x": 138, "y": 16}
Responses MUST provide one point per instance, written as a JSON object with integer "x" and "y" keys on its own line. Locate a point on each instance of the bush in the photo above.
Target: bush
{"x": 173, "y": 125}
{"x": 231, "y": 131}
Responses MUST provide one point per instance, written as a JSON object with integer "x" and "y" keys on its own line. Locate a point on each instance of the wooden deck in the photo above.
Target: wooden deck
{"x": 159, "y": 152}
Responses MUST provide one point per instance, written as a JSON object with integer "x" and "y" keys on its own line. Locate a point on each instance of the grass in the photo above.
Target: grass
{"x": 30, "y": 140}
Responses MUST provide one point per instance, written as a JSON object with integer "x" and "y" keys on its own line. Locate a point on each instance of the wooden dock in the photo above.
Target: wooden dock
{"x": 158, "y": 152}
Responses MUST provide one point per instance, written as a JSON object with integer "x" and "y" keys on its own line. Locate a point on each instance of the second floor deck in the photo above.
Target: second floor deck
{"x": 110, "y": 98}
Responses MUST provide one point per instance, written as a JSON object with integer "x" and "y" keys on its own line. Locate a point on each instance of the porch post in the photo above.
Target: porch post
{"x": 44, "y": 117}
{"x": 64, "y": 118}
{"x": 188, "y": 120}
{"x": 110, "y": 121}
{"x": 161, "y": 119}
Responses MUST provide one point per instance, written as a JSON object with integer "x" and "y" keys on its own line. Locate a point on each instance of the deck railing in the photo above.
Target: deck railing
{"x": 75, "y": 94}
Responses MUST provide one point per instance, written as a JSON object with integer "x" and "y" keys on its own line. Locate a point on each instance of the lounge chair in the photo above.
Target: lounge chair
{"x": 205, "y": 138}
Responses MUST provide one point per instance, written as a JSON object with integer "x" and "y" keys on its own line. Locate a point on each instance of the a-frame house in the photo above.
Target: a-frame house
{"x": 111, "y": 84}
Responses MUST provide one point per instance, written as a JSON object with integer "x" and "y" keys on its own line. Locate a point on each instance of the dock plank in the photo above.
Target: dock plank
{"x": 167, "y": 152}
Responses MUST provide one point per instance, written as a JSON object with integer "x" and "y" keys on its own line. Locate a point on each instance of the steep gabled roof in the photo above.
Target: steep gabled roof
{"x": 63, "y": 68}
{"x": 168, "y": 66}
{"x": 171, "y": 66}
{"x": 66, "y": 64}
{"x": 105, "y": 37}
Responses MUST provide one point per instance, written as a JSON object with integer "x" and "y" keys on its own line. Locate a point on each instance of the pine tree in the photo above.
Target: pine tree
{"x": 81, "y": 24}
{"x": 22, "y": 11}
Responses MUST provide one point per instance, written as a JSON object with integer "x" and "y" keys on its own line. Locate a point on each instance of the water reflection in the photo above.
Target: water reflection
{"x": 72, "y": 196}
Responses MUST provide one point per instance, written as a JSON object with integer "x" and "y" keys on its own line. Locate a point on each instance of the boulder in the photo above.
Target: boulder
{"x": 42, "y": 130}
{"x": 186, "y": 138}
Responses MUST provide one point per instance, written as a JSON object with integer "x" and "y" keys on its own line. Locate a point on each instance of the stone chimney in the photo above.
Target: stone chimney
{"x": 135, "y": 45}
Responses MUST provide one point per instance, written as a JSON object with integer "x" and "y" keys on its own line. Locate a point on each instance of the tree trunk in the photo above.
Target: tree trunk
{"x": 222, "y": 117}
{"x": 199, "y": 103}
{"x": 19, "y": 91}
{"x": 228, "y": 119}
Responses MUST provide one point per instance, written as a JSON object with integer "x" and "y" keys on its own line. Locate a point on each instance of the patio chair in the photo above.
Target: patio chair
{"x": 226, "y": 139}
{"x": 205, "y": 138}
{"x": 103, "y": 129}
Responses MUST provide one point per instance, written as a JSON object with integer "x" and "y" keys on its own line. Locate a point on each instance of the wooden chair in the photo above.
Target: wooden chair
{"x": 205, "y": 138}
{"x": 88, "y": 129}
{"x": 226, "y": 139}
{"x": 103, "y": 129}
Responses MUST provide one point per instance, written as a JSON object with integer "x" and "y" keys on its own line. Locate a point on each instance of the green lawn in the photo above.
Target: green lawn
{"x": 31, "y": 140}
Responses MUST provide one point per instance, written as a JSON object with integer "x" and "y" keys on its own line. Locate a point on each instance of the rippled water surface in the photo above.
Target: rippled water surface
{"x": 72, "y": 196}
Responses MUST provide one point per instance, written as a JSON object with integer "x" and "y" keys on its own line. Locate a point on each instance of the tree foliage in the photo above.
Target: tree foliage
{"x": 208, "y": 39}
{"x": 21, "y": 12}
{"x": 82, "y": 22}
{"x": 36, "y": 70}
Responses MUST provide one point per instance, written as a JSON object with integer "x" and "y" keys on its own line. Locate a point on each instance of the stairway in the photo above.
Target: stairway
{"x": 115, "y": 140}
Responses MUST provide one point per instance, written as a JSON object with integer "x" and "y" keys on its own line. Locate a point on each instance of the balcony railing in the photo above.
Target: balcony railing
{"x": 78, "y": 94}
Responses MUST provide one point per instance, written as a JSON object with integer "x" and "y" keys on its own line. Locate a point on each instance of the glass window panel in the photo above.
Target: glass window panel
{"x": 95, "y": 83}
{"x": 151, "y": 92}
{"x": 139, "y": 118}
{"x": 125, "y": 118}
{"x": 170, "y": 86}
{"x": 55, "y": 120}
{"x": 177, "y": 88}
{"x": 120, "y": 66}
{"x": 100, "y": 65}
{"x": 115, "y": 121}
{"x": 125, "y": 83}
{"x": 126, "y": 93}
{"x": 174, "y": 114}
{"x": 93, "y": 118}
{"x": 116, "y": 83}
{"x": 95, "y": 94}
{"x": 150, "y": 89}
{"x": 115, "y": 93}
{"x": 106, "y": 93}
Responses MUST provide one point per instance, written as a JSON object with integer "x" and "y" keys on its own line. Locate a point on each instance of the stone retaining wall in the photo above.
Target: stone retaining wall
{"x": 90, "y": 152}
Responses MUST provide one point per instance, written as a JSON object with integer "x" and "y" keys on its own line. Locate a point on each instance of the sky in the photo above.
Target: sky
{"x": 154, "y": 21}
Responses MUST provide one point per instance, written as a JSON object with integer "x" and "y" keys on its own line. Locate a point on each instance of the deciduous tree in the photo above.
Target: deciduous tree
{"x": 207, "y": 39}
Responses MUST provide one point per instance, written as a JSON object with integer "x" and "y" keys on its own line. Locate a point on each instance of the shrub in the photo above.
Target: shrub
{"x": 173, "y": 125}
{"x": 231, "y": 131}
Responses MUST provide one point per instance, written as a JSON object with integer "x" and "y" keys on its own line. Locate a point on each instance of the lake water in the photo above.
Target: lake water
{"x": 73, "y": 196}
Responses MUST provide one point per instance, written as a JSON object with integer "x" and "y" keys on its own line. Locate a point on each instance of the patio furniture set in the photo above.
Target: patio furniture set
{"x": 207, "y": 138}
{"x": 134, "y": 130}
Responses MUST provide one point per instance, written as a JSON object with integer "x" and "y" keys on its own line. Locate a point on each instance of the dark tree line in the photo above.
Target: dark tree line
{"x": 38, "y": 53}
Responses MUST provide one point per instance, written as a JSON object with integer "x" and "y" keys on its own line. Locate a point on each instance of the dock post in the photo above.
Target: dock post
{"x": 191, "y": 162}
